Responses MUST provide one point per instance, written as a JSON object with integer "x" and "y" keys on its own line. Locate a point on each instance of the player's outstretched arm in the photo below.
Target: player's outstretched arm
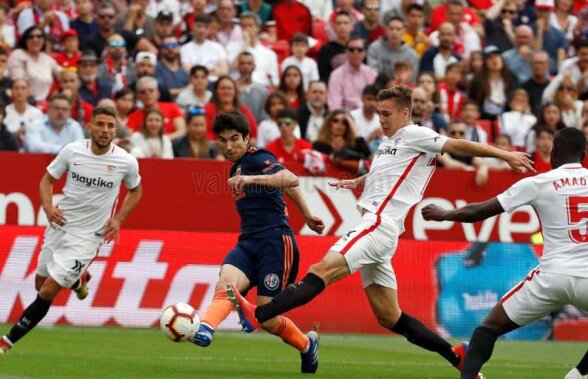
{"x": 470, "y": 213}
{"x": 54, "y": 214}
{"x": 350, "y": 183}
{"x": 314, "y": 223}
{"x": 282, "y": 179}
{"x": 129, "y": 204}
{"x": 519, "y": 161}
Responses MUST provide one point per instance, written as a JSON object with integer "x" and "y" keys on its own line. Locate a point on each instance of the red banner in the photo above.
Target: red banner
{"x": 192, "y": 195}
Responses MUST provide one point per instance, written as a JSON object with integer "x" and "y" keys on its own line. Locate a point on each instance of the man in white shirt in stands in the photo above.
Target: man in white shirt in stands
{"x": 48, "y": 134}
{"x": 83, "y": 218}
{"x": 396, "y": 181}
{"x": 365, "y": 117}
{"x": 204, "y": 52}
{"x": 560, "y": 197}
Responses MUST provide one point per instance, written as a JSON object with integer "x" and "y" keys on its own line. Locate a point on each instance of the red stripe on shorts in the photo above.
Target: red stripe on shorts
{"x": 520, "y": 285}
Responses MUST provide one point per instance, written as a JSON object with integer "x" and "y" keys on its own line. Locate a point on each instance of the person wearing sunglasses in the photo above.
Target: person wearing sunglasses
{"x": 169, "y": 70}
{"x": 116, "y": 69}
{"x": 288, "y": 147}
{"x": 347, "y": 81}
{"x": 30, "y": 62}
{"x": 566, "y": 98}
{"x": 499, "y": 24}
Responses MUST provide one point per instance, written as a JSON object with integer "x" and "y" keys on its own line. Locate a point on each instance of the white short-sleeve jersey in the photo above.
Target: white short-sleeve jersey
{"x": 400, "y": 172}
{"x": 92, "y": 185}
{"x": 560, "y": 198}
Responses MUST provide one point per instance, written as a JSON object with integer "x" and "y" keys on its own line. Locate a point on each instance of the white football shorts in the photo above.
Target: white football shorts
{"x": 65, "y": 257}
{"x": 541, "y": 293}
{"x": 369, "y": 248}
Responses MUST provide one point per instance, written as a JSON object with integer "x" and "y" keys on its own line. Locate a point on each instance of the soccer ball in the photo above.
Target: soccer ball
{"x": 179, "y": 322}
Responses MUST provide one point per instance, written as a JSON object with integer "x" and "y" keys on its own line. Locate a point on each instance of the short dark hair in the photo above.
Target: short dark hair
{"x": 299, "y": 38}
{"x": 370, "y": 89}
{"x": 197, "y": 68}
{"x": 456, "y": 2}
{"x": 454, "y": 65}
{"x": 287, "y": 113}
{"x": 252, "y": 15}
{"x": 569, "y": 142}
{"x": 471, "y": 102}
{"x": 415, "y": 7}
{"x": 202, "y": 18}
{"x": 543, "y": 129}
{"x": 401, "y": 94}
{"x": 233, "y": 120}
{"x": 123, "y": 92}
{"x": 355, "y": 38}
{"x": 343, "y": 12}
{"x": 395, "y": 18}
{"x": 108, "y": 111}
{"x": 59, "y": 96}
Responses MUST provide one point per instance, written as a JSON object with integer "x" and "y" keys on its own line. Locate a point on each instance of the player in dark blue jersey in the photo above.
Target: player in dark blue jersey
{"x": 266, "y": 255}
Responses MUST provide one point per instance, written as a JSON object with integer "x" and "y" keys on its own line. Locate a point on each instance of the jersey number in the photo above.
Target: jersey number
{"x": 576, "y": 215}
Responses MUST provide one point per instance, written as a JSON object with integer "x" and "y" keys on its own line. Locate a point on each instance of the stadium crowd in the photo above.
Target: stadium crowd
{"x": 305, "y": 74}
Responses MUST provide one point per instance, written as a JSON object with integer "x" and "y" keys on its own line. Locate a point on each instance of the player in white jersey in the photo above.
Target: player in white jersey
{"x": 399, "y": 174}
{"x": 560, "y": 198}
{"x": 83, "y": 218}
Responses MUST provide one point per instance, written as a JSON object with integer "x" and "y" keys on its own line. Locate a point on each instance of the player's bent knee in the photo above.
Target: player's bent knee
{"x": 49, "y": 290}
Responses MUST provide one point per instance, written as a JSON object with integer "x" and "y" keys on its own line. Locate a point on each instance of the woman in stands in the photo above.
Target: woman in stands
{"x": 268, "y": 129}
{"x": 195, "y": 144}
{"x": 566, "y": 98}
{"x": 124, "y": 100}
{"x": 149, "y": 141}
{"x": 292, "y": 85}
{"x": 549, "y": 117}
{"x": 225, "y": 98}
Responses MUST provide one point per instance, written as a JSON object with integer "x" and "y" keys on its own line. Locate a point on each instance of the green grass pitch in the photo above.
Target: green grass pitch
{"x": 73, "y": 352}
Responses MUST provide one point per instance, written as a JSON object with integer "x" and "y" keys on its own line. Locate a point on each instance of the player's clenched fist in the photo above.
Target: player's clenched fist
{"x": 237, "y": 182}
{"x": 434, "y": 213}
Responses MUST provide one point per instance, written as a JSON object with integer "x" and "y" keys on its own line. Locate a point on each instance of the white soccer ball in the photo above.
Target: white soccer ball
{"x": 179, "y": 322}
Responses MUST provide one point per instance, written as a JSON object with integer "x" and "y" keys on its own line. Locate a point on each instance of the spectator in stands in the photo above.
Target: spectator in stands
{"x": 518, "y": 58}
{"x": 136, "y": 20}
{"x": 470, "y": 116}
{"x": 403, "y": 75}
{"x": 51, "y": 132}
{"x": 566, "y": 98}
{"x": 70, "y": 55}
{"x": 466, "y": 38}
{"x": 424, "y": 114}
{"x": 576, "y": 69}
{"x": 266, "y": 60}
{"x": 414, "y": 36}
{"x": 7, "y": 139}
{"x": 346, "y": 6}
{"x": 92, "y": 89}
{"x": 288, "y": 147}
{"x": 538, "y": 81}
{"x": 441, "y": 14}
{"x": 313, "y": 111}
{"x": 332, "y": 54}
{"x": 499, "y": 24}
{"x": 228, "y": 31}
{"x": 196, "y": 94}
{"x": 347, "y": 81}
{"x": 163, "y": 27}
{"x": 169, "y": 70}
{"x": 171, "y": 6}
{"x": 252, "y": 94}
{"x": 204, "y": 52}
{"x": 85, "y": 24}
{"x": 494, "y": 86}
{"x": 383, "y": 53}
{"x": 124, "y": 104}
{"x": 98, "y": 40}
{"x": 69, "y": 84}
{"x": 292, "y": 17}
{"x": 339, "y": 141}
{"x": 261, "y": 8}
{"x": 451, "y": 98}
{"x": 548, "y": 38}
{"x": 5, "y": 80}
{"x": 30, "y": 62}
{"x": 150, "y": 138}
{"x": 7, "y": 31}
{"x": 475, "y": 66}
{"x": 542, "y": 155}
{"x": 148, "y": 95}
{"x": 116, "y": 69}
{"x": 292, "y": 86}
{"x": 145, "y": 63}
{"x": 562, "y": 18}
{"x": 457, "y": 130}
{"x": 550, "y": 117}
{"x": 225, "y": 98}
{"x": 268, "y": 129}
{"x": 194, "y": 144}
{"x": 41, "y": 15}
{"x": 369, "y": 29}
{"x": 437, "y": 58}
{"x": 427, "y": 82}
{"x": 519, "y": 120}
{"x": 308, "y": 67}
{"x": 502, "y": 142}
{"x": 365, "y": 117}
{"x": 19, "y": 113}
